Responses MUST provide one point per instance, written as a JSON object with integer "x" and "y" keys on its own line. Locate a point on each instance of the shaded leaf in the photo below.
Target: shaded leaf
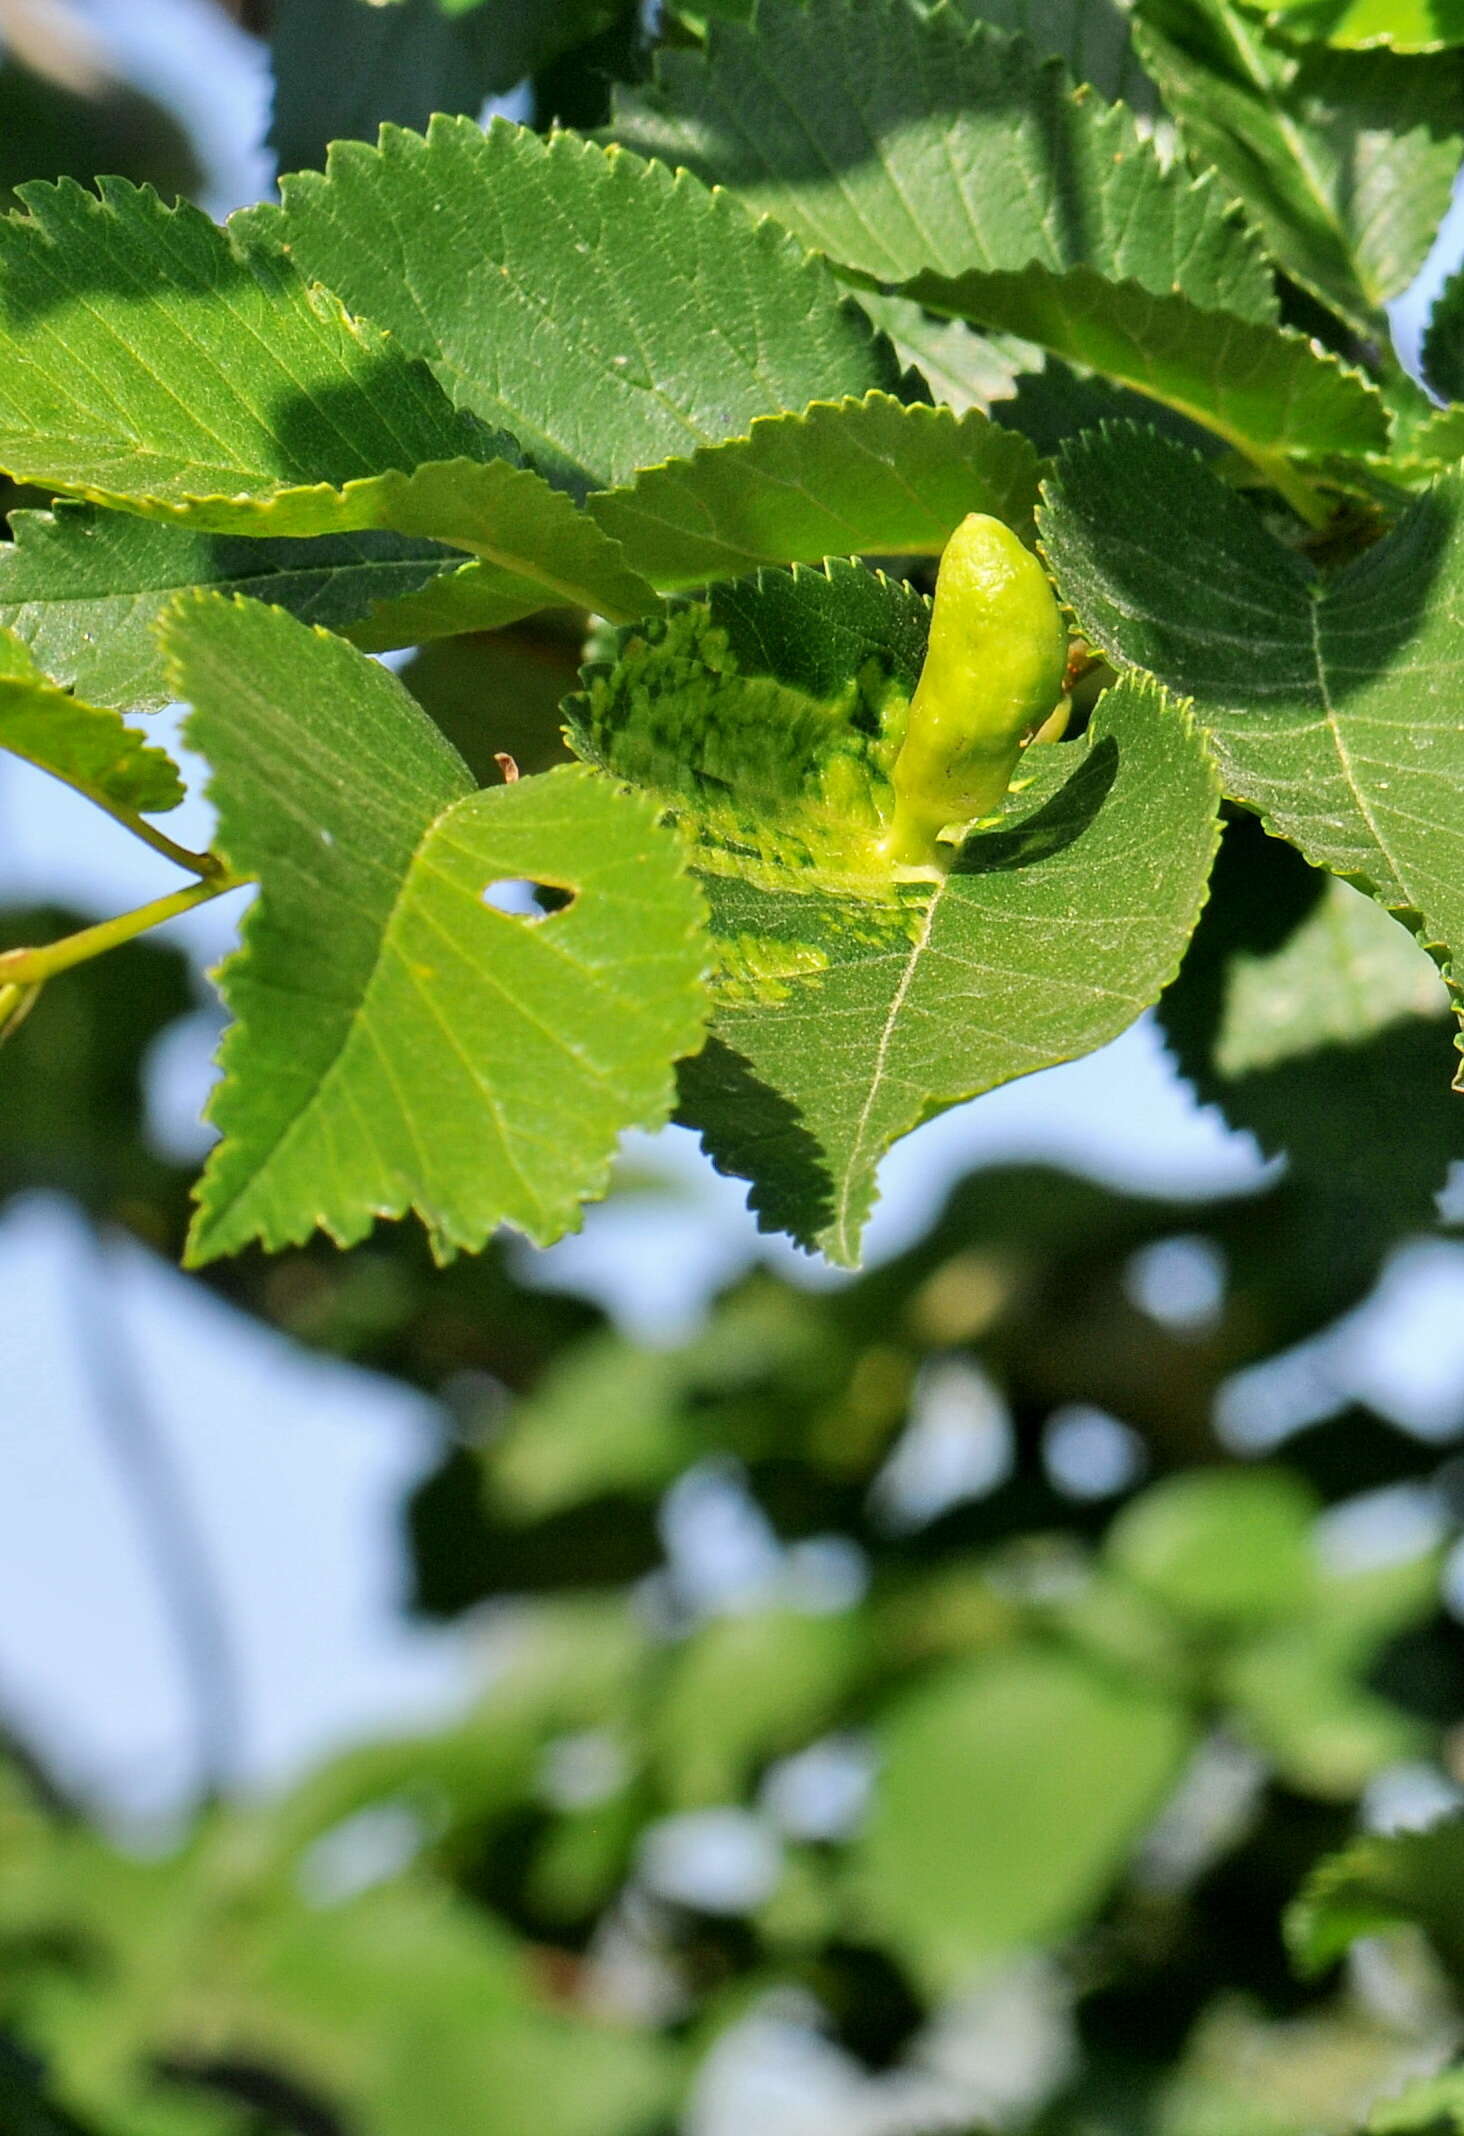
{"x": 963, "y": 369}
{"x": 341, "y": 67}
{"x": 84, "y": 587}
{"x": 1382, "y": 1882}
{"x": 1330, "y": 705}
{"x": 1314, "y": 1020}
{"x": 1346, "y": 163}
{"x": 843, "y": 478}
{"x": 933, "y": 154}
{"x": 606, "y": 314}
{"x": 1443, "y": 345}
{"x": 239, "y": 399}
{"x": 921, "y": 143}
{"x": 400, "y": 1043}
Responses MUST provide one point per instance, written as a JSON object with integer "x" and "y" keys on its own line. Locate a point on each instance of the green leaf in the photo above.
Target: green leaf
{"x": 1443, "y": 342}
{"x": 399, "y": 1042}
{"x": 608, "y": 315}
{"x": 1011, "y": 1791}
{"x": 924, "y": 144}
{"x": 768, "y": 720}
{"x": 1431, "y": 2106}
{"x": 148, "y": 367}
{"x": 1092, "y": 38}
{"x": 1314, "y": 1020}
{"x": 407, "y": 60}
{"x": 1223, "y": 1550}
{"x": 1380, "y": 1883}
{"x": 844, "y": 477}
{"x": 1330, "y": 704}
{"x": 744, "y": 1689}
{"x": 963, "y": 369}
{"x": 1345, "y": 162}
{"x": 89, "y": 746}
{"x": 933, "y": 154}
{"x": 1404, "y": 25}
{"x": 84, "y": 588}
{"x": 608, "y": 1416}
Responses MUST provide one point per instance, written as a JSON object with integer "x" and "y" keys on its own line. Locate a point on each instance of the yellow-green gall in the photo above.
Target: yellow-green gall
{"x": 993, "y": 674}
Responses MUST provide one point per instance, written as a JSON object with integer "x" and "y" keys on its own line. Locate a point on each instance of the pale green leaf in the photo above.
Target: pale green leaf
{"x": 147, "y": 366}
{"x": 399, "y": 1042}
{"x": 606, "y": 314}
{"x": 962, "y": 368}
{"x": 746, "y": 1688}
{"x": 1430, "y": 2106}
{"x": 1382, "y": 1882}
{"x": 842, "y": 478}
{"x": 1403, "y": 25}
{"x": 768, "y": 721}
{"x": 87, "y": 745}
{"x": 1223, "y": 1550}
{"x": 1332, "y": 706}
{"x": 1011, "y": 1792}
{"x": 1345, "y": 162}
{"x": 1324, "y": 1730}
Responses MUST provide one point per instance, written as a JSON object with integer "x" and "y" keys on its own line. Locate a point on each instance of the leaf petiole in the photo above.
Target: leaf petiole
{"x": 23, "y": 969}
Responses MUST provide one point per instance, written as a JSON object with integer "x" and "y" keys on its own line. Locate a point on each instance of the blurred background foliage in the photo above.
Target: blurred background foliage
{"x": 941, "y": 1702}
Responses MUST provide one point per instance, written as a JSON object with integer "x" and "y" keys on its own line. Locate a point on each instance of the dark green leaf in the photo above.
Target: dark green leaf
{"x": 1331, "y": 705}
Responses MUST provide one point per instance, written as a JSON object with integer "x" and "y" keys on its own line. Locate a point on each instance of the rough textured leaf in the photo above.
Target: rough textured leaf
{"x": 148, "y": 366}
{"x": 1443, "y": 343}
{"x": 341, "y": 67}
{"x": 87, "y": 745}
{"x": 1346, "y": 162}
{"x": 605, "y": 313}
{"x": 84, "y": 587}
{"x": 1332, "y": 707}
{"x": 981, "y": 1842}
{"x": 843, "y": 478}
{"x": 933, "y": 154}
{"x": 922, "y": 143}
{"x": 399, "y": 1042}
{"x": 1382, "y": 1882}
{"x": 768, "y": 721}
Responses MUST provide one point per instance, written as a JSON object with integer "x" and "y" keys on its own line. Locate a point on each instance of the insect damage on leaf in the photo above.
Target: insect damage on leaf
{"x": 819, "y": 727}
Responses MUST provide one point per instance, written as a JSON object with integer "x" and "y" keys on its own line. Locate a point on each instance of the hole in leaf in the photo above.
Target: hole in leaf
{"x": 523, "y": 899}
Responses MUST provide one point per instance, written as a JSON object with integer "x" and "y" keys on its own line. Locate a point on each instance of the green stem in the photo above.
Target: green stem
{"x": 30, "y": 967}
{"x": 205, "y": 865}
{"x": 1297, "y": 491}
